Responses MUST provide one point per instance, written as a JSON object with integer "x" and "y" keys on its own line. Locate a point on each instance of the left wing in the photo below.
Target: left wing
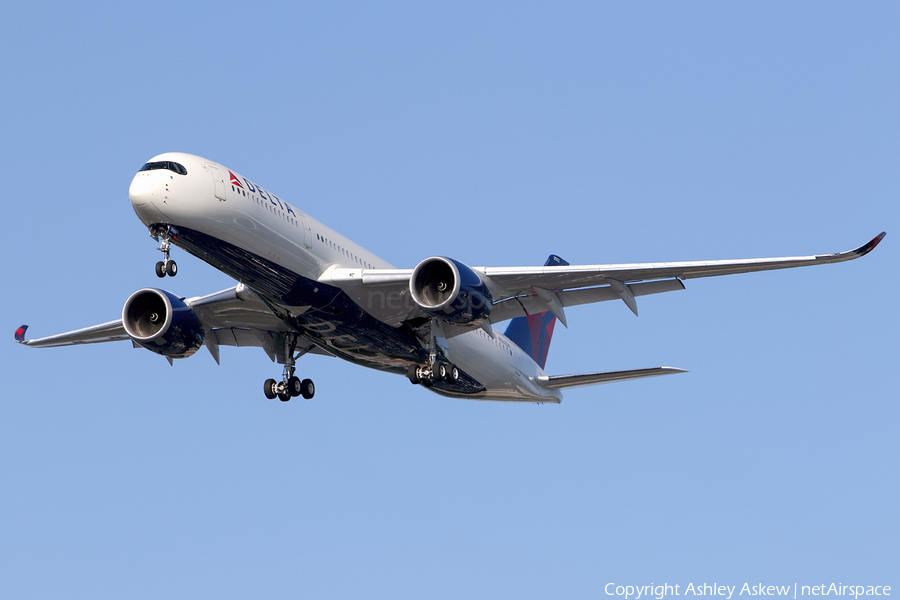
{"x": 518, "y": 280}
{"x": 517, "y": 291}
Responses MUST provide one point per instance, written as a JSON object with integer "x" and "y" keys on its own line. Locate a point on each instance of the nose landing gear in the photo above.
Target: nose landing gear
{"x": 164, "y": 234}
{"x": 166, "y": 268}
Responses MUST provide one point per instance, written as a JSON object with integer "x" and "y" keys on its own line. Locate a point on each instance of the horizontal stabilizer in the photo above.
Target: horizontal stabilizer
{"x": 557, "y": 382}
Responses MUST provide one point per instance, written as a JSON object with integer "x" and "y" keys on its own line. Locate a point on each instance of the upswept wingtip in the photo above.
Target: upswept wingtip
{"x": 20, "y": 334}
{"x": 865, "y": 249}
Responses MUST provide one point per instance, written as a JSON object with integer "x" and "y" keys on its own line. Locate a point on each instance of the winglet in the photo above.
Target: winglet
{"x": 20, "y": 334}
{"x": 866, "y": 248}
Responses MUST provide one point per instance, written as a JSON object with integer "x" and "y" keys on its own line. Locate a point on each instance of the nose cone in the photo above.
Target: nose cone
{"x": 140, "y": 192}
{"x": 145, "y": 194}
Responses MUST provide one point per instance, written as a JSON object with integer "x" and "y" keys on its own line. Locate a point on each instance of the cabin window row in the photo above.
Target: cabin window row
{"x": 343, "y": 251}
{"x": 267, "y": 205}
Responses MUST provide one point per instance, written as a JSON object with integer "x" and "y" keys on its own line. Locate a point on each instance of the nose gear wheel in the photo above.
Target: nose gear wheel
{"x": 164, "y": 234}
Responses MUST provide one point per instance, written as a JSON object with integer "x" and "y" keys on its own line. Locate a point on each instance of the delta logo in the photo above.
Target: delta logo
{"x": 234, "y": 180}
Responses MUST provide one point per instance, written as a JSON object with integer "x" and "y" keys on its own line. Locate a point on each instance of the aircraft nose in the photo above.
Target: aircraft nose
{"x": 141, "y": 191}
{"x": 147, "y": 195}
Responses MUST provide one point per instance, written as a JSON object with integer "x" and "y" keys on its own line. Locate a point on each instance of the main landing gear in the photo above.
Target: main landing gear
{"x": 165, "y": 234}
{"x": 429, "y": 375}
{"x": 436, "y": 369}
{"x": 290, "y": 386}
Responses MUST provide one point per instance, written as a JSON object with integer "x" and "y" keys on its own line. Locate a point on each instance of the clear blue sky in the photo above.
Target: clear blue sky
{"x": 495, "y": 134}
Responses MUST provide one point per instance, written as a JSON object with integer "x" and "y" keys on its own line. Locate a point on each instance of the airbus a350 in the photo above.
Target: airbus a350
{"x": 304, "y": 288}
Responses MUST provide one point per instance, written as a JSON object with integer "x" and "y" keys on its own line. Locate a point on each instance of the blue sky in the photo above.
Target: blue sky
{"x": 496, "y": 134}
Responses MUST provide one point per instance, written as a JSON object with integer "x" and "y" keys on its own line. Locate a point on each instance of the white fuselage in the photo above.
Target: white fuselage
{"x": 223, "y": 205}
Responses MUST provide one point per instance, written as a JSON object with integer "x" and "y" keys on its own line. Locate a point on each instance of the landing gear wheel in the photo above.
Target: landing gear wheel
{"x": 284, "y": 396}
{"x": 452, "y": 374}
{"x": 428, "y": 380}
{"x": 413, "y": 374}
{"x": 294, "y": 386}
{"x": 269, "y": 388}
{"x": 165, "y": 234}
{"x": 441, "y": 373}
{"x": 307, "y": 389}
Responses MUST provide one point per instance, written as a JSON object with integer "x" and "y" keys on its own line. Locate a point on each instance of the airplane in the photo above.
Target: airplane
{"x": 304, "y": 288}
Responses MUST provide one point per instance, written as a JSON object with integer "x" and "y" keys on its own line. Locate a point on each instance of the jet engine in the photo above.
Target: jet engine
{"x": 162, "y": 323}
{"x": 450, "y": 290}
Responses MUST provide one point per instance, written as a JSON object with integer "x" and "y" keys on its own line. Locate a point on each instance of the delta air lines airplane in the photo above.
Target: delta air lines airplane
{"x": 304, "y": 288}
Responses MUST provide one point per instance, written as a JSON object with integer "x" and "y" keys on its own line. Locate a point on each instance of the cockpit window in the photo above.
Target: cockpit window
{"x": 165, "y": 164}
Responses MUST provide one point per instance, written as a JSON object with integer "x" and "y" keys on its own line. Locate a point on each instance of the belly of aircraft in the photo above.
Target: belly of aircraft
{"x": 322, "y": 313}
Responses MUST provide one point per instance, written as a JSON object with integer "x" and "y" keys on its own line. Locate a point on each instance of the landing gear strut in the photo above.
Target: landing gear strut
{"x": 164, "y": 234}
{"x": 290, "y": 385}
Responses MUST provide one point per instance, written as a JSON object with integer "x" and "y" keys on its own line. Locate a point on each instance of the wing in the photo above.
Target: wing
{"x": 518, "y": 280}
{"x": 105, "y": 332}
{"x": 232, "y": 317}
{"x": 517, "y": 291}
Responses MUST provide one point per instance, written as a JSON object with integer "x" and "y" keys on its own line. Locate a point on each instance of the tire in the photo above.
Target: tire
{"x": 171, "y": 269}
{"x": 307, "y": 389}
{"x": 269, "y": 389}
{"x": 160, "y": 269}
{"x": 441, "y": 373}
{"x": 295, "y": 388}
{"x": 284, "y": 396}
{"x": 413, "y": 374}
{"x": 452, "y": 374}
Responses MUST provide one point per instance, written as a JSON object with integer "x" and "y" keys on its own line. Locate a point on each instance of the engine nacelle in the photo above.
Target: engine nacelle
{"x": 160, "y": 322}
{"x": 450, "y": 290}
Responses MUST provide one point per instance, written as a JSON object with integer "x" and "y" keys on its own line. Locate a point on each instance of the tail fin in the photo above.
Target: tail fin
{"x": 532, "y": 333}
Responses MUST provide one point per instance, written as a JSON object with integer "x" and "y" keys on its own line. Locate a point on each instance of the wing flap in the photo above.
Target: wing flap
{"x": 240, "y": 338}
{"x": 237, "y": 307}
{"x": 533, "y": 304}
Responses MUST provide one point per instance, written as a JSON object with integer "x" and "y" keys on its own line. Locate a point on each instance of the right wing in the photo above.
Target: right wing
{"x": 105, "y": 332}
{"x": 232, "y": 317}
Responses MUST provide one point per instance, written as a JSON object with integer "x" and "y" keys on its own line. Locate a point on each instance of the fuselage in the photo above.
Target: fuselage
{"x": 285, "y": 256}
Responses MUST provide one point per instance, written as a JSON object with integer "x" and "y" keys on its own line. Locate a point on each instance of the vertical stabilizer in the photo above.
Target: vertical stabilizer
{"x": 532, "y": 333}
